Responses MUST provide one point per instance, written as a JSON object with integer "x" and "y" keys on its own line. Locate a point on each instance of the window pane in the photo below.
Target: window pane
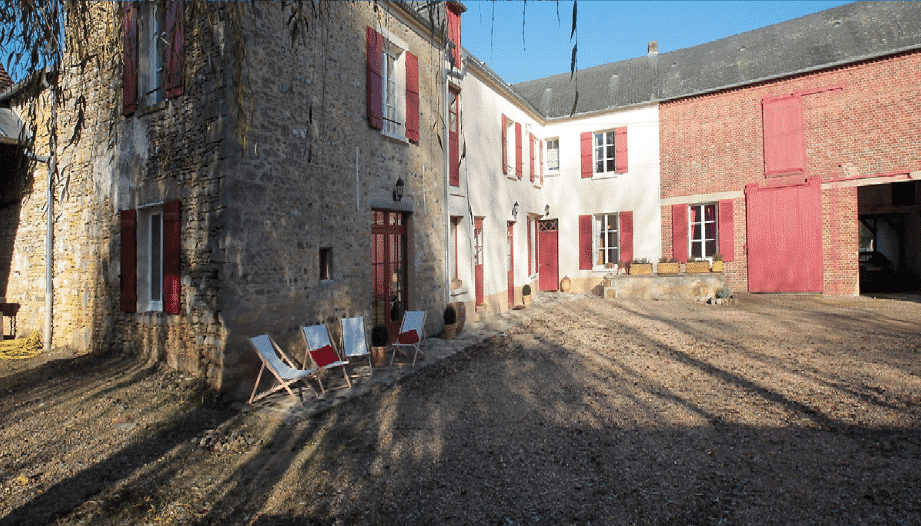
{"x": 599, "y": 167}
{"x": 695, "y": 231}
{"x": 156, "y": 277}
{"x": 610, "y": 165}
{"x": 599, "y": 139}
{"x": 612, "y": 239}
{"x": 696, "y": 250}
{"x": 711, "y": 247}
{"x": 710, "y": 212}
{"x": 711, "y": 230}
{"x": 609, "y": 136}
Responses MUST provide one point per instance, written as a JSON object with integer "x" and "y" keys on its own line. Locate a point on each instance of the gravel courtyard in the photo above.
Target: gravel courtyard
{"x": 772, "y": 410}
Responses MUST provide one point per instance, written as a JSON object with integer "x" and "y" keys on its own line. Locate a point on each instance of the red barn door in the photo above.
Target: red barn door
{"x": 785, "y": 237}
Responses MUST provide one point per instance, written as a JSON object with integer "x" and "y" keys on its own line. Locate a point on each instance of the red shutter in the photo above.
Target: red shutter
{"x": 171, "y": 249}
{"x": 626, "y": 236}
{"x": 680, "y": 232}
{"x": 129, "y": 254}
{"x": 375, "y": 79}
{"x": 454, "y": 34}
{"x": 531, "y": 148}
{"x": 175, "y": 35}
{"x": 541, "y": 163}
{"x": 784, "y": 146}
{"x": 620, "y": 149}
{"x": 585, "y": 242}
{"x": 412, "y": 97}
{"x": 504, "y": 144}
{"x": 586, "y": 140}
{"x": 519, "y": 162}
{"x": 530, "y": 253}
{"x": 726, "y": 230}
{"x": 130, "y": 60}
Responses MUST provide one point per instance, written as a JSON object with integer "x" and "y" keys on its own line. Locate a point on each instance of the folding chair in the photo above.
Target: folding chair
{"x": 281, "y": 367}
{"x": 354, "y": 343}
{"x": 412, "y": 334}
{"x": 321, "y": 352}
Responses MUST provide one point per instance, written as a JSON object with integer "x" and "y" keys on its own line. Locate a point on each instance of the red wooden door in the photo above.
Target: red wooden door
{"x": 511, "y": 263}
{"x": 388, "y": 267}
{"x": 548, "y": 255}
{"x": 478, "y": 258}
{"x": 785, "y": 237}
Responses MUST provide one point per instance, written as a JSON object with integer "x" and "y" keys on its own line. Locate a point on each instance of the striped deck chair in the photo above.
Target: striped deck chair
{"x": 412, "y": 334}
{"x": 321, "y": 352}
{"x": 354, "y": 343}
{"x": 282, "y": 368}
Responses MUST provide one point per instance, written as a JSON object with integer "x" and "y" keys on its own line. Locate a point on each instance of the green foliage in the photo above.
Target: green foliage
{"x": 526, "y": 290}
{"x": 717, "y": 257}
{"x": 379, "y": 336}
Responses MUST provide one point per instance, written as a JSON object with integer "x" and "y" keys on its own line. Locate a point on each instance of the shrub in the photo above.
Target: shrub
{"x": 641, "y": 261}
{"x": 664, "y": 259}
{"x": 526, "y": 290}
{"x": 717, "y": 257}
{"x": 379, "y": 336}
{"x": 724, "y": 293}
{"x": 450, "y": 315}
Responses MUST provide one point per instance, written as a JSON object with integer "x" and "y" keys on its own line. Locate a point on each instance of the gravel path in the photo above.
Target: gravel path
{"x": 773, "y": 410}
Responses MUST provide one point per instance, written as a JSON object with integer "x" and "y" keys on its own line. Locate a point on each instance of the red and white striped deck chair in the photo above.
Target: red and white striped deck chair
{"x": 412, "y": 334}
{"x": 321, "y": 352}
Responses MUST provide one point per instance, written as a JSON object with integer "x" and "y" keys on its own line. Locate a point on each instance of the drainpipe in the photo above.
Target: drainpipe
{"x": 49, "y": 234}
{"x": 447, "y": 167}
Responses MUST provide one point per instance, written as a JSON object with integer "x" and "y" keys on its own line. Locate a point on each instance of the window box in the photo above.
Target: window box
{"x": 640, "y": 269}
{"x": 672, "y": 267}
{"x": 697, "y": 267}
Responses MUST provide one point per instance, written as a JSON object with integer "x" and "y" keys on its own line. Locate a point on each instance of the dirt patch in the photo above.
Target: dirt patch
{"x": 774, "y": 410}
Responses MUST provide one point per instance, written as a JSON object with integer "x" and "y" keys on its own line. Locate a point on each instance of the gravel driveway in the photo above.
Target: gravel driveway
{"x": 773, "y": 410}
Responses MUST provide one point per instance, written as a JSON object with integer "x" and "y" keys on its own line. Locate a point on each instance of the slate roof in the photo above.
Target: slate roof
{"x": 844, "y": 34}
{"x": 5, "y": 80}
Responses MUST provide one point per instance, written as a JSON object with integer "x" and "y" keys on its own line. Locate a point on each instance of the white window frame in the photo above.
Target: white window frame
{"x": 150, "y": 258}
{"x": 511, "y": 153}
{"x": 601, "y": 227}
{"x": 550, "y": 168}
{"x": 535, "y": 225}
{"x": 393, "y": 86}
{"x": 151, "y": 53}
{"x": 600, "y": 153}
{"x": 700, "y": 238}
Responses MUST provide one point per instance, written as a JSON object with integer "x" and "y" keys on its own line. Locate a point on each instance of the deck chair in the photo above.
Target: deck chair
{"x": 354, "y": 343}
{"x": 277, "y": 362}
{"x": 412, "y": 334}
{"x": 321, "y": 352}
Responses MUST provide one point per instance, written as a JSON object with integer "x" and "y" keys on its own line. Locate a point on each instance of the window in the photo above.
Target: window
{"x": 607, "y": 246}
{"x": 702, "y": 230}
{"x": 326, "y": 263}
{"x": 532, "y": 152}
{"x": 604, "y": 153}
{"x": 784, "y": 146}
{"x": 532, "y": 246}
{"x": 454, "y": 136}
{"x": 553, "y": 155}
{"x": 605, "y": 239}
{"x": 511, "y": 142}
{"x": 150, "y": 259}
{"x": 393, "y": 87}
{"x": 153, "y": 53}
{"x": 455, "y": 227}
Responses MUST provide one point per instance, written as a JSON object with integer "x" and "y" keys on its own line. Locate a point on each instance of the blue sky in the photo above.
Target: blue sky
{"x": 607, "y": 31}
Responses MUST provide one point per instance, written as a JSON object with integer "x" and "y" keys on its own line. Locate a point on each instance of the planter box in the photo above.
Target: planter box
{"x": 717, "y": 266}
{"x": 639, "y": 269}
{"x": 668, "y": 268}
{"x": 697, "y": 267}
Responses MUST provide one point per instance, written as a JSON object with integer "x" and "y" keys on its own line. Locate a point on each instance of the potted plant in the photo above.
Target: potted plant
{"x": 379, "y": 339}
{"x": 717, "y": 263}
{"x": 450, "y": 319}
{"x": 641, "y": 266}
{"x": 623, "y": 267}
{"x": 526, "y": 295}
{"x": 565, "y": 284}
{"x": 668, "y": 266}
{"x": 696, "y": 266}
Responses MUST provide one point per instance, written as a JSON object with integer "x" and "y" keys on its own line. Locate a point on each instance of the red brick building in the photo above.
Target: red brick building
{"x": 793, "y": 148}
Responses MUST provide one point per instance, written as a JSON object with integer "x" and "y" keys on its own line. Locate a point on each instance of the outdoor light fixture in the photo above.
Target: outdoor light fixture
{"x": 515, "y": 210}
{"x": 547, "y": 211}
{"x": 398, "y": 190}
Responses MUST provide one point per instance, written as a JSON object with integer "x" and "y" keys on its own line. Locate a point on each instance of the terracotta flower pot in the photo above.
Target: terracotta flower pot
{"x": 526, "y": 300}
{"x": 450, "y": 331}
{"x": 378, "y": 356}
{"x": 565, "y": 284}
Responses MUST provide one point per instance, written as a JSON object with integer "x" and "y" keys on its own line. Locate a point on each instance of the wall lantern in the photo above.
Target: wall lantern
{"x": 515, "y": 210}
{"x": 398, "y": 190}
{"x": 547, "y": 211}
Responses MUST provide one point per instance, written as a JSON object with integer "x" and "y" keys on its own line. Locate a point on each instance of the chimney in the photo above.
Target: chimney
{"x": 654, "y": 48}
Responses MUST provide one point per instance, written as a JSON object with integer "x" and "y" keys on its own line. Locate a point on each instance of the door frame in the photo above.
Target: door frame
{"x": 548, "y": 264}
{"x": 388, "y": 234}
{"x": 511, "y": 264}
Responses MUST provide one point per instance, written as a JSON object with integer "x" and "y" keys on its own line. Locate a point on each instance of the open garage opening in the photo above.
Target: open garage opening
{"x": 889, "y": 237}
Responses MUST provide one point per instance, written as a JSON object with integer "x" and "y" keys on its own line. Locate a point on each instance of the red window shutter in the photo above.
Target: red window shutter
{"x": 504, "y": 144}
{"x": 626, "y": 236}
{"x": 587, "y": 168}
{"x": 784, "y": 145}
{"x": 620, "y": 149}
{"x": 375, "y": 79}
{"x": 412, "y": 97}
{"x": 541, "y": 163}
{"x": 171, "y": 248}
{"x": 726, "y": 230}
{"x": 130, "y": 60}
{"x": 454, "y": 144}
{"x": 175, "y": 36}
{"x": 519, "y": 162}
{"x": 129, "y": 253}
{"x": 530, "y": 253}
{"x": 531, "y": 156}
{"x": 680, "y": 232}
{"x": 585, "y": 242}
{"x": 454, "y": 34}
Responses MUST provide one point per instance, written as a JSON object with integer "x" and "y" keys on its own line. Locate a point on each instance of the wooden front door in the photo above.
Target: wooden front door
{"x": 511, "y": 264}
{"x": 388, "y": 266}
{"x": 478, "y": 259}
{"x": 784, "y": 227}
{"x": 548, "y": 255}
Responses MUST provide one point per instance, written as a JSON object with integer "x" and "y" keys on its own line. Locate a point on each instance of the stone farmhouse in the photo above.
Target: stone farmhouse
{"x": 378, "y": 167}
